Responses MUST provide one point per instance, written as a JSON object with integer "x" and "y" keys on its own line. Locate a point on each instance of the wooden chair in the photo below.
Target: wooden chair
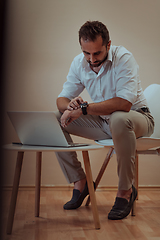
{"x": 145, "y": 145}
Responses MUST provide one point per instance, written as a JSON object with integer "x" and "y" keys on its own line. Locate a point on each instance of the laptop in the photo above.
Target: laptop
{"x": 39, "y": 129}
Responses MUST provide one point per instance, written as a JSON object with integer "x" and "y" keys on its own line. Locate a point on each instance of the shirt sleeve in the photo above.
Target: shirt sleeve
{"x": 127, "y": 77}
{"x": 73, "y": 86}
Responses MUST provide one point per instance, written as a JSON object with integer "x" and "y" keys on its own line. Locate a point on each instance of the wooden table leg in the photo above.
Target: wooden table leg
{"x": 38, "y": 182}
{"x": 91, "y": 189}
{"x": 14, "y": 192}
{"x": 101, "y": 172}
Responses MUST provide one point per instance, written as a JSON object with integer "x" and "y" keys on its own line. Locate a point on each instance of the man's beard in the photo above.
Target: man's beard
{"x": 97, "y": 63}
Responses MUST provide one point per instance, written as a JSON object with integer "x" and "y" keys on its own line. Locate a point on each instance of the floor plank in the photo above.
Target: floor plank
{"x": 56, "y": 223}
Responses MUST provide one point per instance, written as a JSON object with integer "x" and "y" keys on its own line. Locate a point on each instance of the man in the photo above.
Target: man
{"x": 119, "y": 111}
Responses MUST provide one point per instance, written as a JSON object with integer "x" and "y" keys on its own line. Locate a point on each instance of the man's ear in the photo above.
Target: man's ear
{"x": 108, "y": 45}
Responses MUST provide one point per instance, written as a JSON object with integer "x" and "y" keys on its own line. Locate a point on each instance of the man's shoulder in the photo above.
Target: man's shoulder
{"x": 79, "y": 58}
{"x": 79, "y": 62}
{"x": 119, "y": 50}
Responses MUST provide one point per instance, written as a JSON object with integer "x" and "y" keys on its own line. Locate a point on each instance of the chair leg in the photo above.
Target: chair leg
{"x": 136, "y": 174}
{"x": 14, "y": 192}
{"x": 133, "y": 211}
{"x": 38, "y": 182}
{"x": 91, "y": 189}
{"x": 101, "y": 172}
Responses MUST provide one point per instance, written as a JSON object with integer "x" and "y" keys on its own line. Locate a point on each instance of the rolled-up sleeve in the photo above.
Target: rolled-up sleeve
{"x": 73, "y": 86}
{"x": 127, "y": 77}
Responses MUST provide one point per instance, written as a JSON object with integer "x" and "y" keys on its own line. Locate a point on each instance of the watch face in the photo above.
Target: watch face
{"x": 84, "y": 108}
{"x": 84, "y": 104}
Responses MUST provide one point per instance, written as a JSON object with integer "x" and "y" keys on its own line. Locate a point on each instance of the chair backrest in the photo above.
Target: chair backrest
{"x": 152, "y": 94}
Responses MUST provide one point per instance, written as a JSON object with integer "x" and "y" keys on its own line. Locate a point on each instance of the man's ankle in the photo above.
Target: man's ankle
{"x": 79, "y": 185}
{"x": 124, "y": 194}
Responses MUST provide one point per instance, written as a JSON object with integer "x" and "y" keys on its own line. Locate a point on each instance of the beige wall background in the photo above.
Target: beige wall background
{"x": 42, "y": 40}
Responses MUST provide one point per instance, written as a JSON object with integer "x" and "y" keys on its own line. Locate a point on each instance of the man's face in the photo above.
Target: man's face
{"x": 95, "y": 52}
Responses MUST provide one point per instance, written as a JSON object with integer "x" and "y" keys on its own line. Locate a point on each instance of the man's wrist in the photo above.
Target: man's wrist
{"x": 84, "y": 107}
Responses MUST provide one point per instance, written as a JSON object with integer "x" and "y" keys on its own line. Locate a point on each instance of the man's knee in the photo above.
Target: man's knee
{"x": 119, "y": 123}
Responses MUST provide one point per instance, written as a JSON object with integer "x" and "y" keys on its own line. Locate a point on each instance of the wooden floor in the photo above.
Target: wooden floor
{"x": 55, "y": 223}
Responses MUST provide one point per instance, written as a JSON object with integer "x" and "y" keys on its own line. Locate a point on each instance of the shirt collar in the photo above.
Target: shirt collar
{"x": 110, "y": 54}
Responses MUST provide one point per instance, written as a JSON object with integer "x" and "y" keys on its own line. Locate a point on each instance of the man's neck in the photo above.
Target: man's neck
{"x": 96, "y": 69}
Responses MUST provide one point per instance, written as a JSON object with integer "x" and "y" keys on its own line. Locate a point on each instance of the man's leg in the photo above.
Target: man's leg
{"x": 90, "y": 127}
{"x": 125, "y": 128}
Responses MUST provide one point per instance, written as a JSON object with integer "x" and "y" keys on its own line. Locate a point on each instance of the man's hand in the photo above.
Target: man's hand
{"x": 69, "y": 116}
{"x": 74, "y": 104}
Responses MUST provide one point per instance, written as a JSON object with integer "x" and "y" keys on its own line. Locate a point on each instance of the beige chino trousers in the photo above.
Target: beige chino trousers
{"x": 123, "y": 128}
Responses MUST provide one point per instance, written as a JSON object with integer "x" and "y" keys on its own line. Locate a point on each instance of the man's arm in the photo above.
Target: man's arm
{"x": 62, "y": 103}
{"x": 70, "y": 109}
{"x": 109, "y": 106}
{"x": 103, "y": 108}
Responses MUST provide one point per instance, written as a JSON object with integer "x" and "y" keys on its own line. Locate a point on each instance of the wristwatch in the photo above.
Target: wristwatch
{"x": 84, "y": 108}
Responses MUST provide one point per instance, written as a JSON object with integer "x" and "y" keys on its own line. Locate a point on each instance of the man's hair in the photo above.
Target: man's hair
{"x": 91, "y": 30}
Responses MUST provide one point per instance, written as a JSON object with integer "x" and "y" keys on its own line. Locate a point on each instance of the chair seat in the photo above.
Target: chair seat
{"x": 143, "y": 143}
{"x": 105, "y": 142}
{"x": 146, "y": 143}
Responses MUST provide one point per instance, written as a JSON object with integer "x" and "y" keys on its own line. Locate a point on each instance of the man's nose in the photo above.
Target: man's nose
{"x": 92, "y": 58}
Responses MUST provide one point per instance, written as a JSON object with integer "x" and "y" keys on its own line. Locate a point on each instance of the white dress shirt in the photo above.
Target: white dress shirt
{"x": 118, "y": 77}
